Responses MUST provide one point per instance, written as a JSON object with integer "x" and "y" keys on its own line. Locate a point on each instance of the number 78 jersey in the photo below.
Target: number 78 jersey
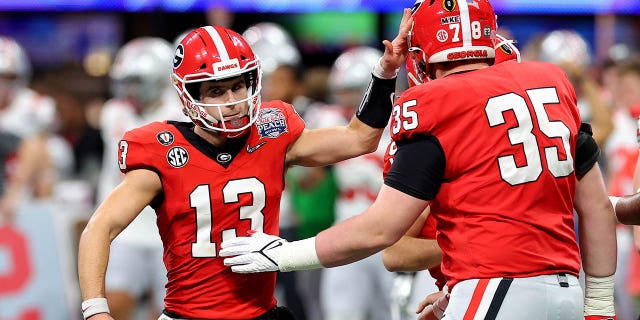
{"x": 508, "y": 135}
{"x": 210, "y": 195}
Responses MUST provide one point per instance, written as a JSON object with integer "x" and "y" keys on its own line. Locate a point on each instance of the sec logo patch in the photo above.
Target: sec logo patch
{"x": 177, "y": 157}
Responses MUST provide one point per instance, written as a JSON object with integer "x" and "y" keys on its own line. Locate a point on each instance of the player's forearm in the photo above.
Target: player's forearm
{"x": 349, "y": 241}
{"x": 93, "y": 255}
{"x": 627, "y": 209}
{"x": 412, "y": 254}
{"x": 597, "y": 225}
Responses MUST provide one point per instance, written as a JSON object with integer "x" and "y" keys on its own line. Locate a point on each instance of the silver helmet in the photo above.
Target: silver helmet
{"x": 273, "y": 45}
{"x": 141, "y": 69}
{"x": 14, "y": 61}
{"x": 561, "y": 46}
{"x": 351, "y": 72}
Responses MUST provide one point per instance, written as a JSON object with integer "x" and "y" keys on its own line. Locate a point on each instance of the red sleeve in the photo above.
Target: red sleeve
{"x": 132, "y": 153}
{"x": 388, "y": 157}
{"x": 294, "y": 121}
{"x": 416, "y": 112}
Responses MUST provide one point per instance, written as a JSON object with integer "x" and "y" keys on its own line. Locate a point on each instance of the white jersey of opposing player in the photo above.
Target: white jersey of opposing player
{"x": 116, "y": 118}
{"x": 28, "y": 113}
{"x": 359, "y": 179}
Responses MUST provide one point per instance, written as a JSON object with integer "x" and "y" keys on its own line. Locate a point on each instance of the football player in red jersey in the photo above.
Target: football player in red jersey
{"x": 221, "y": 175}
{"x": 491, "y": 150}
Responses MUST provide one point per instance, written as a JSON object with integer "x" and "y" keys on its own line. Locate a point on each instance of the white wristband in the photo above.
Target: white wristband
{"x": 299, "y": 255}
{"x": 381, "y": 73}
{"x": 598, "y": 296}
{"x": 94, "y": 306}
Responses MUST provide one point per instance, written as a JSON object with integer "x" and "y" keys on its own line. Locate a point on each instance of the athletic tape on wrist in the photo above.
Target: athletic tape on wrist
{"x": 598, "y": 298}
{"x": 379, "y": 72}
{"x": 299, "y": 255}
{"x": 94, "y": 306}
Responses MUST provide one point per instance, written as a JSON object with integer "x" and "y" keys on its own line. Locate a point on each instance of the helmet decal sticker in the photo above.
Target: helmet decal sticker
{"x": 449, "y": 5}
{"x": 442, "y": 35}
{"x": 179, "y": 56}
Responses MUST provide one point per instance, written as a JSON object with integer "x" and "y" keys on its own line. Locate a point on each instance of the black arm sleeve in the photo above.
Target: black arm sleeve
{"x": 418, "y": 167}
{"x": 587, "y": 151}
{"x": 376, "y": 105}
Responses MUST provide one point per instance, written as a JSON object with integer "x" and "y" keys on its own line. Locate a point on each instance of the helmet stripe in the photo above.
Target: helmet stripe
{"x": 217, "y": 40}
{"x": 465, "y": 23}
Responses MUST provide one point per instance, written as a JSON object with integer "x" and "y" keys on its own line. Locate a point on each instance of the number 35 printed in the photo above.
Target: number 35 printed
{"x": 558, "y": 159}
{"x": 404, "y": 117}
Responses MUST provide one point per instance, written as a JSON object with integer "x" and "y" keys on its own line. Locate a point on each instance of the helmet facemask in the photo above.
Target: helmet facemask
{"x": 197, "y": 110}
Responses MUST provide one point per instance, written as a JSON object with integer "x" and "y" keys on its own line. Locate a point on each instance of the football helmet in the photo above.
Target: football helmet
{"x": 351, "y": 72}
{"x": 14, "y": 61}
{"x": 506, "y": 50}
{"x": 273, "y": 45}
{"x": 450, "y": 30}
{"x": 215, "y": 53}
{"x": 139, "y": 71}
{"x": 561, "y": 46}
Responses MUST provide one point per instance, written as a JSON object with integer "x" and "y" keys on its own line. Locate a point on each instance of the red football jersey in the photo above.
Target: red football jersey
{"x": 204, "y": 203}
{"x": 508, "y": 134}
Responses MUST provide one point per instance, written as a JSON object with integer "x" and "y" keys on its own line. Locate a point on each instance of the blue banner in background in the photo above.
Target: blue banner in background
{"x": 296, "y": 6}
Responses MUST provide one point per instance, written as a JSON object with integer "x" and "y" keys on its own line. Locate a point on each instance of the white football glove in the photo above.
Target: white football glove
{"x": 258, "y": 253}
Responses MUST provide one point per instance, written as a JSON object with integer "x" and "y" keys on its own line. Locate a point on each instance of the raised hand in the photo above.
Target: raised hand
{"x": 395, "y": 52}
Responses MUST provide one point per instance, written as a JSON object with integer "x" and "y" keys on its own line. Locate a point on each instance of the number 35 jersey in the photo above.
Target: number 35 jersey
{"x": 508, "y": 134}
{"x": 210, "y": 195}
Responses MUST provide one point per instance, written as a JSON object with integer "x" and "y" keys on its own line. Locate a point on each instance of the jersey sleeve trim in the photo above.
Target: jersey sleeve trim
{"x": 418, "y": 168}
{"x": 587, "y": 150}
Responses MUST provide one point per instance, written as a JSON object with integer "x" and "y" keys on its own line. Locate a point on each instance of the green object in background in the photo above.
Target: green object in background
{"x": 314, "y": 207}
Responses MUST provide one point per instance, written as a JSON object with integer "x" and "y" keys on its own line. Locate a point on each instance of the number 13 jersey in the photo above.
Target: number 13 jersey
{"x": 210, "y": 195}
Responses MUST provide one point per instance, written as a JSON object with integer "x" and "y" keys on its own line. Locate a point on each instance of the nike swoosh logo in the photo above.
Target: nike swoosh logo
{"x": 256, "y": 147}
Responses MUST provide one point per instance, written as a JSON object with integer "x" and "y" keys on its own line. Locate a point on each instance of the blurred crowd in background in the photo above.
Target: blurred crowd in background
{"x": 72, "y": 83}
